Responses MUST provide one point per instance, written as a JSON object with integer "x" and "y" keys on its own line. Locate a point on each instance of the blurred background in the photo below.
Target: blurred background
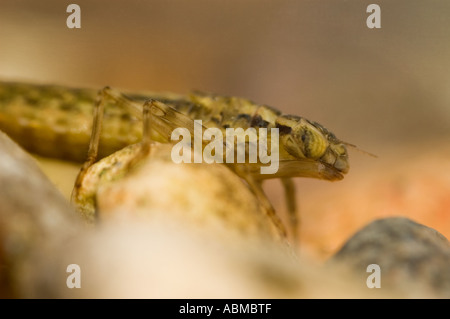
{"x": 385, "y": 90}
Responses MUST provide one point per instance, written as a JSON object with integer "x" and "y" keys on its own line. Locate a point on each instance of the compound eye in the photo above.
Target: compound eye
{"x": 314, "y": 143}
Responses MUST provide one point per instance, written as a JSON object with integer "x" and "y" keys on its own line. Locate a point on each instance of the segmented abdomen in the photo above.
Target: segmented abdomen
{"x": 56, "y": 121}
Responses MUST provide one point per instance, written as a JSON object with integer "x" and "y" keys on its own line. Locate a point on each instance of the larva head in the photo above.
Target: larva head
{"x": 304, "y": 139}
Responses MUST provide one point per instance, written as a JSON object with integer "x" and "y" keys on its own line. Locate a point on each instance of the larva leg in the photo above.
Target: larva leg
{"x": 256, "y": 187}
{"x": 291, "y": 205}
{"x": 103, "y": 96}
{"x": 146, "y": 134}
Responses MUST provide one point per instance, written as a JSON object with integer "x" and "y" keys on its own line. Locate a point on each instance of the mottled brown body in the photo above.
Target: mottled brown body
{"x": 82, "y": 124}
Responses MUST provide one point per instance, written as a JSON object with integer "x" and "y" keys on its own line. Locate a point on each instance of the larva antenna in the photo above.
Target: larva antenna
{"x": 358, "y": 149}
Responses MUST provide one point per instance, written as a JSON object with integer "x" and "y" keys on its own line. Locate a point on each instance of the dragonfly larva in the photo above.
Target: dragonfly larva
{"x": 57, "y": 121}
